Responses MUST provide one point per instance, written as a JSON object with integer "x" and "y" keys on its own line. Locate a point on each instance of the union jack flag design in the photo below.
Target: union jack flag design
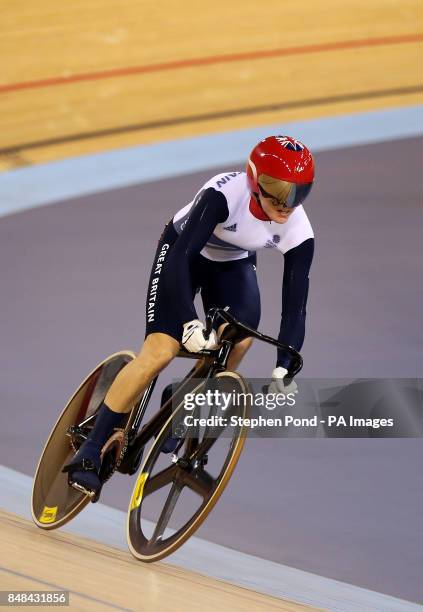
{"x": 290, "y": 143}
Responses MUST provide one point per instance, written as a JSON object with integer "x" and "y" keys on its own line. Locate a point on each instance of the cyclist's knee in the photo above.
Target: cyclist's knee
{"x": 238, "y": 353}
{"x": 157, "y": 352}
{"x": 246, "y": 343}
{"x": 242, "y": 347}
{"x": 162, "y": 357}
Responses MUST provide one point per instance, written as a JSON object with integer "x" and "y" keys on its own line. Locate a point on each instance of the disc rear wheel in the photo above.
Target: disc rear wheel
{"x": 54, "y": 503}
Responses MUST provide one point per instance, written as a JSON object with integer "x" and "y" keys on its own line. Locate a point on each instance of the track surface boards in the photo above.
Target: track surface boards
{"x": 100, "y": 578}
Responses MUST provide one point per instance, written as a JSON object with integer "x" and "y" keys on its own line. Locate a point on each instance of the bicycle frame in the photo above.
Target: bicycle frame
{"x": 213, "y": 361}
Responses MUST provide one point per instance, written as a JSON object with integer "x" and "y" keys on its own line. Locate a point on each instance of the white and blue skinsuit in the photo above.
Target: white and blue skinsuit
{"x": 210, "y": 246}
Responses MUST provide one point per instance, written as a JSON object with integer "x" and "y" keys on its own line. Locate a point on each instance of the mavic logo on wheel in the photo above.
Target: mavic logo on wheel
{"x": 138, "y": 491}
{"x": 290, "y": 143}
{"x": 230, "y": 228}
{"x": 48, "y": 514}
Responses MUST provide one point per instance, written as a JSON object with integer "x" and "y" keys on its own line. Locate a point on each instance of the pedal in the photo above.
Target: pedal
{"x": 81, "y": 489}
{"x": 77, "y": 436}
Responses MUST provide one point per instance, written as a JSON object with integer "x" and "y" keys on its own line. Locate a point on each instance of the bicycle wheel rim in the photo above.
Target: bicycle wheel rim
{"x": 137, "y": 541}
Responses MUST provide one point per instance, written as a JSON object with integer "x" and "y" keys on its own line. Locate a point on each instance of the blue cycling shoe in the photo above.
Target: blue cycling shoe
{"x": 169, "y": 445}
{"x": 84, "y": 469}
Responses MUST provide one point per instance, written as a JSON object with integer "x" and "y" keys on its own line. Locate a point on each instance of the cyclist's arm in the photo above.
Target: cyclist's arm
{"x": 209, "y": 209}
{"x": 294, "y": 298}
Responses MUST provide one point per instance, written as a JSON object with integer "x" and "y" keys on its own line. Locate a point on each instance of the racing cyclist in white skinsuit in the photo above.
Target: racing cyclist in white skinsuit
{"x": 210, "y": 246}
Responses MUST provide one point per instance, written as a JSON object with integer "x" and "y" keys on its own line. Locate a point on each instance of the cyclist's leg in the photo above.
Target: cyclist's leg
{"x": 160, "y": 346}
{"x": 156, "y": 353}
{"x": 238, "y": 352}
{"x": 163, "y": 331}
{"x": 234, "y": 284}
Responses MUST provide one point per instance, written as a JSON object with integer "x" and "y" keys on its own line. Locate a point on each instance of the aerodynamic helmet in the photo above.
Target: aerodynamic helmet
{"x": 282, "y": 168}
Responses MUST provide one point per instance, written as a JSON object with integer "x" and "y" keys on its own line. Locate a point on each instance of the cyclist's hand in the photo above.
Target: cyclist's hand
{"x": 193, "y": 337}
{"x": 279, "y": 385}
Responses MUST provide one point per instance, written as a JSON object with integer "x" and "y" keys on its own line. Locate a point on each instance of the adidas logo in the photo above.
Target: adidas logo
{"x": 231, "y": 228}
{"x": 269, "y": 245}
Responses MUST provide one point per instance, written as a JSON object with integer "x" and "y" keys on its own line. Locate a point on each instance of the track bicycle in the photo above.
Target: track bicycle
{"x": 173, "y": 493}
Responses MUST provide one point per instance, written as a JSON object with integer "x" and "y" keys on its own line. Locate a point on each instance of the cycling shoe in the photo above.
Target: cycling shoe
{"x": 83, "y": 471}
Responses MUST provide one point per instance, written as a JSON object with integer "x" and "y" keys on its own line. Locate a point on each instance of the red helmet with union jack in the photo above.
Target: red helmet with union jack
{"x": 282, "y": 168}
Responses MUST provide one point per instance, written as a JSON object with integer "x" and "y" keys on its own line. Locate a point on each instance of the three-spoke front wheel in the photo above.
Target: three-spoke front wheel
{"x": 174, "y": 494}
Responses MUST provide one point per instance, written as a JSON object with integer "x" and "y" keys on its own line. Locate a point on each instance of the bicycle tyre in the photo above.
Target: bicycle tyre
{"x": 137, "y": 542}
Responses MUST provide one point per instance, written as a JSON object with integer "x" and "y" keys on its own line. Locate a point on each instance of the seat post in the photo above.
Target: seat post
{"x": 222, "y": 356}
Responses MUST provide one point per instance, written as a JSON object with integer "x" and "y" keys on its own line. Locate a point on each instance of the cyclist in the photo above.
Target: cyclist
{"x": 210, "y": 246}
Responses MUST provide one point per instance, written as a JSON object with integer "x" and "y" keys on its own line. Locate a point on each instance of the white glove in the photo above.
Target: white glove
{"x": 193, "y": 338}
{"x": 278, "y": 385}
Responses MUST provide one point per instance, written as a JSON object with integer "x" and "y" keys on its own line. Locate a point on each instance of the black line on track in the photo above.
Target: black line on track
{"x": 250, "y": 110}
{"x": 61, "y": 588}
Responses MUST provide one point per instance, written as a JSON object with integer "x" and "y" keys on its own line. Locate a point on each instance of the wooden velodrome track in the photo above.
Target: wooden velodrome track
{"x": 82, "y": 77}
{"x": 99, "y": 577}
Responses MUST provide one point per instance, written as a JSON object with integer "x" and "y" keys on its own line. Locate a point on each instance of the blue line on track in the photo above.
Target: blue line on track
{"x": 38, "y": 185}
